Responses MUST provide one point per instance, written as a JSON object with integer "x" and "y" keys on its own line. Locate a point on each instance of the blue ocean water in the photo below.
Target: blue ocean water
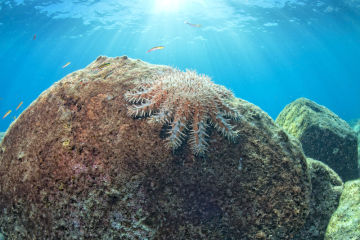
{"x": 267, "y": 52}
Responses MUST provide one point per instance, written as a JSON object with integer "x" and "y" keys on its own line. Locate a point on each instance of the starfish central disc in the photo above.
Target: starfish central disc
{"x": 189, "y": 103}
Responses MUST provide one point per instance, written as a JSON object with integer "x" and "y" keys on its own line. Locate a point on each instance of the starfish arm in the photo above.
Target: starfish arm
{"x": 198, "y": 138}
{"x": 162, "y": 116}
{"x": 136, "y": 96}
{"x": 140, "y": 110}
{"x": 223, "y": 126}
{"x": 198, "y": 135}
{"x": 176, "y": 134}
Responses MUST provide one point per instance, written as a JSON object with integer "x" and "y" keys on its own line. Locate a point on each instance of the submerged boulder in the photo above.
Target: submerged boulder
{"x": 323, "y": 135}
{"x": 345, "y": 222}
{"x": 326, "y": 191}
{"x": 356, "y": 127}
{"x": 75, "y": 165}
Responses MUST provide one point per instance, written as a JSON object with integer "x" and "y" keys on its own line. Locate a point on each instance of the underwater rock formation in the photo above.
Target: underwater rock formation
{"x": 75, "y": 166}
{"x": 326, "y": 190}
{"x": 323, "y": 135}
{"x": 356, "y": 127}
{"x": 344, "y": 223}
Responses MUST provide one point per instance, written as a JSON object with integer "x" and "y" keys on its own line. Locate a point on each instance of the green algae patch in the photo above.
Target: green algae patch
{"x": 345, "y": 222}
{"x": 325, "y": 195}
{"x": 324, "y": 136}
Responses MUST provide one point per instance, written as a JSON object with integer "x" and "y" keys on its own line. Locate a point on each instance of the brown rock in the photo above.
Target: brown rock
{"x": 75, "y": 166}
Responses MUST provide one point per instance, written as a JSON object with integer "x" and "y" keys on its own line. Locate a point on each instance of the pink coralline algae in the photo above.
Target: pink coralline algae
{"x": 188, "y": 103}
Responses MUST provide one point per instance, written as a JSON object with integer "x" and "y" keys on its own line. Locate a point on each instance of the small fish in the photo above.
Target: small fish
{"x": 192, "y": 24}
{"x": 155, "y": 48}
{"x": 19, "y": 105}
{"x": 34, "y": 37}
{"x": 67, "y": 64}
{"x": 6, "y": 114}
{"x": 103, "y": 65}
{"x": 14, "y": 117}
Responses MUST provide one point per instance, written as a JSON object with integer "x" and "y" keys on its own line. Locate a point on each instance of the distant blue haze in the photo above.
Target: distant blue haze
{"x": 267, "y": 52}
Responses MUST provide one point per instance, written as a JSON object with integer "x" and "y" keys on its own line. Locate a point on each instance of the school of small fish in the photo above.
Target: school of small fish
{"x": 8, "y": 112}
{"x": 100, "y": 67}
{"x": 162, "y": 47}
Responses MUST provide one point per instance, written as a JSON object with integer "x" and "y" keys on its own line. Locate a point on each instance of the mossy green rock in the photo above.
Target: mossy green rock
{"x": 356, "y": 127}
{"x": 324, "y": 136}
{"x": 345, "y": 222}
{"x": 355, "y": 124}
{"x": 326, "y": 191}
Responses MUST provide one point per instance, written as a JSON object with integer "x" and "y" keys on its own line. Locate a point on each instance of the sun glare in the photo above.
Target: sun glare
{"x": 167, "y": 6}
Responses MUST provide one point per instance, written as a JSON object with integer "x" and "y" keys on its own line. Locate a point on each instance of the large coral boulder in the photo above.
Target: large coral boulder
{"x": 324, "y": 136}
{"x": 326, "y": 191}
{"x": 75, "y": 165}
{"x": 345, "y": 222}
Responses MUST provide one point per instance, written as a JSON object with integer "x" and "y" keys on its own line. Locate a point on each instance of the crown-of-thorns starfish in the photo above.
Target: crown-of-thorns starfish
{"x": 189, "y": 103}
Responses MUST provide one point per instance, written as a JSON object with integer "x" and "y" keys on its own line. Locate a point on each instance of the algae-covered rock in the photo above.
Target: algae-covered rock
{"x": 355, "y": 124}
{"x": 356, "y": 127}
{"x": 323, "y": 135}
{"x": 326, "y": 190}
{"x": 345, "y": 222}
{"x": 75, "y": 165}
